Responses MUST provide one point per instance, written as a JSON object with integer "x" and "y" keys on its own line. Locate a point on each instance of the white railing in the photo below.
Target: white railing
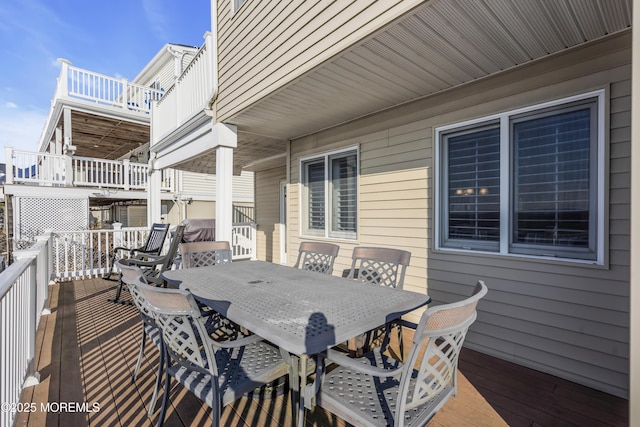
{"x": 98, "y": 88}
{"x": 188, "y": 96}
{"x": 92, "y": 172}
{"x": 87, "y": 253}
{"x": 46, "y": 169}
{"x": 35, "y": 168}
{"x": 243, "y": 240}
{"x": 23, "y": 295}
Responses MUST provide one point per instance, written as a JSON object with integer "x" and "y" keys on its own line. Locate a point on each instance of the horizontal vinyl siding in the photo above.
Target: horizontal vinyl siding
{"x": 204, "y": 185}
{"x": 268, "y": 213}
{"x": 564, "y": 318}
{"x": 392, "y": 208}
{"x": 198, "y": 183}
{"x": 266, "y": 45}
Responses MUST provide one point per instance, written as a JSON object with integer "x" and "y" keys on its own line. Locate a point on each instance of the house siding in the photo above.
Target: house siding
{"x": 267, "y": 184}
{"x": 265, "y": 45}
{"x": 204, "y": 185}
{"x": 563, "y": 318}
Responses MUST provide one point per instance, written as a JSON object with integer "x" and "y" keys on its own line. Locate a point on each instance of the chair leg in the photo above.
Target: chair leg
{"x": 154, "y": 398}
{"x": 165, "y": 398}
{"x": 117, "y": 299}
{"x": 140, "y": 353}
{"x": 400, "y": 343}
{"x": 107, "y": 276}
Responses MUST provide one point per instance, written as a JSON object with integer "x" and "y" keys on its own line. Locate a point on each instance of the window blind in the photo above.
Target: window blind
{"x": 316, "y": 203}
{"x": 344, "y": 193}
{"x": 552, "y": 182}
{"x": 473, "y": 179}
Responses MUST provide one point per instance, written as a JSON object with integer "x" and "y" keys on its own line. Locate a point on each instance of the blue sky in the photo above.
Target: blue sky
{"x": 117, "y": 38}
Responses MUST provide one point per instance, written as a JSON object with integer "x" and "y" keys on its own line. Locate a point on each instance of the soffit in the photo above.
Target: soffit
{"x": 439, "y": 46}
{"x": 105, "y": 137}
{"x": 251, "y": 151}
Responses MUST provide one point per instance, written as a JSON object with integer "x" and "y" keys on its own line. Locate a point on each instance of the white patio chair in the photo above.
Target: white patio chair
{"x": 217, "y": 372}
{"x": 317, "y": 256}
{"x": 384, "y": 267}
{"x": 377, "y": 390}
{"x": 204, "y": 253}
{"x": 132, "y": 276}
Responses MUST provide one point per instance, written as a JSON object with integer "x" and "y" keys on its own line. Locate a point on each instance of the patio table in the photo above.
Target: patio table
{"x": 302, "y": 312}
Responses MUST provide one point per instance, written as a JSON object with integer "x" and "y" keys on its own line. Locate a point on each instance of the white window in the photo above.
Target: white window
{"x": 526, "y": 182}
{"x": 236, "y": 4}
{"x": 329, "y": 194}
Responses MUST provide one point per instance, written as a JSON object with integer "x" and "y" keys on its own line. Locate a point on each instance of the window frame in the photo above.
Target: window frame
{"x": 505, "y": 122}
{"x": 236, "y": 5}
{"x": 325, "y": 158}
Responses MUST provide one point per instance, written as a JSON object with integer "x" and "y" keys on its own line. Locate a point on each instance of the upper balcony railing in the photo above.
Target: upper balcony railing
{"x": 78, "y": 83}
{"x": 46, "y": 169}
{"x": 188, "y": 96}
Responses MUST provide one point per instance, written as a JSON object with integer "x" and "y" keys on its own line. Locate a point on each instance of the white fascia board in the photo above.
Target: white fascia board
{"x": 202, "y": 140}
{"x": 19, "y": 190}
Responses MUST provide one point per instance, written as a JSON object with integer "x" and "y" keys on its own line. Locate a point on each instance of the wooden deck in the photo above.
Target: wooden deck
{"x": 87, "y": 349}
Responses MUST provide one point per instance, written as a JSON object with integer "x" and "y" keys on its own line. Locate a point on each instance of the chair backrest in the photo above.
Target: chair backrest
{"x": 172, "y": 252}
{"x": 442, "y": 329}
{"x": 201, "y": 254}
{"x": 155, "y": 239}
{"x": 176, "y": 312}
{"x": 379, "y": 266}
{"x": 317, "y": 256}
{"x": 132, "y": 276}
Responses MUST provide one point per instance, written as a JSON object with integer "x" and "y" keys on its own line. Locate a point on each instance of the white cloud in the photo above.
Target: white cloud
{"x": 20, "y": 129}
{"x": 154, "y": 11}
{"x": 10, "y": 104}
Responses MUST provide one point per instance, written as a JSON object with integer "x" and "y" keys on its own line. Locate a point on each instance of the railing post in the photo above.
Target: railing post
{"x": 125, "y": 93}
{"x": 8, "y": 160}
{"x": 117, "y": 235}
{"x": 63, "y": 79}
{"x": 126, "y": 173}
{"x": 254, "y": 245}
{"x": 68, "y": 170}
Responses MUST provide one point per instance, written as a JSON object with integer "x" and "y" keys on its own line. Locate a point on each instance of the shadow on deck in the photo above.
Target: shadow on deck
{"x": 87, "y": 349}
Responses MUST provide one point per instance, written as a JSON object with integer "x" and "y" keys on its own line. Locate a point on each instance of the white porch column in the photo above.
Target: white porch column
{"x": 154, "y": 201}
{"x": 634, "y": 306}
{"x": 227, "y": 140}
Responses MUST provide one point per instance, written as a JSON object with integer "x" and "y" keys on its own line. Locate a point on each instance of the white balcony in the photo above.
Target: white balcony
{"x": 44, "y": 169}
{"x": 188, "y": 97}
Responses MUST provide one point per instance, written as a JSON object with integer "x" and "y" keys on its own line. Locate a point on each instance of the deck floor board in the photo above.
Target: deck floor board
{"x": 87, "y": 350}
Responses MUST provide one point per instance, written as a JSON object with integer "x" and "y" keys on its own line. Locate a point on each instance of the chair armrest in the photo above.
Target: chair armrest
{"x": 241, "y": 342}
{"x": 122, "y": 248}
{"x": 405, "y": 323}
{"x": 361, "y": 364}
{"x": 149, "y": 263}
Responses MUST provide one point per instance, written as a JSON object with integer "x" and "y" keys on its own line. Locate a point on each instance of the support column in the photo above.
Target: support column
{"x": 634, "y": 306}
{"x": 68, "y": 148}
{"x": 227, "y": 140}
{"x": 154, "y": 201}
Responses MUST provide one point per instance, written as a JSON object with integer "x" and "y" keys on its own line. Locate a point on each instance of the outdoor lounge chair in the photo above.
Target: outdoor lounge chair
{"x": 317, "y": 256}
{"x": 153, "y": 266}
{"x": 152, "y": 246}
{"x": 217, "y": 372}
{"x": 377, "y": 390}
